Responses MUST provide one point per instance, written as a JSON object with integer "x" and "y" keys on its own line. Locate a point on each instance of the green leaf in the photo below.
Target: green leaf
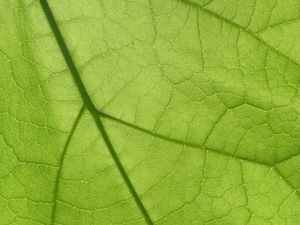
{"x": 150, "y": 112}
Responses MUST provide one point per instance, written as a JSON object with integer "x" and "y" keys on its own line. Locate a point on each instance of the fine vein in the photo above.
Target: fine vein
{"x": 90, "y": 106}
{"x": 61, "y": 161}
{"x": 217, "y": 16}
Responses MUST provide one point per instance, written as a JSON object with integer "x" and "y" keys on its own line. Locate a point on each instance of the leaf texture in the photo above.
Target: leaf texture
{"x": 150, "y": 112}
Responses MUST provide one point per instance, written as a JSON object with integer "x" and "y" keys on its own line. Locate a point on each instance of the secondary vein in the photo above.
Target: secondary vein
{"x": 201, "y": 147}
{"x": 180, "y": 142}
{"x": 61, "y": 161}
{"x": 258, "y": 38}
{"x": 90, "y": 106}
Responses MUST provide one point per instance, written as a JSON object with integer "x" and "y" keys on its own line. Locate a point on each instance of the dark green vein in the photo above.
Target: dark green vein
{"x": 90, "y": 106}
{"x": 197, "y": 146}
{"x": 61, "y": 161}
{"x": 262, "y": 41}
{"x": 180, "y": 142}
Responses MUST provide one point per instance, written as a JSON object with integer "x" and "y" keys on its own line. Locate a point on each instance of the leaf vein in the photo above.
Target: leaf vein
{"x": 61, "y": 161}
{"x": 90, "y": 106}
{"x": 197, "y": 146}
{"x": 262, "y": 41}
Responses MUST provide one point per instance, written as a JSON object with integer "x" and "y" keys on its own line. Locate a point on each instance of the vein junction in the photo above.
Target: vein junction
{"x": 96, "y": 114}
{"x": 90, "y": 106}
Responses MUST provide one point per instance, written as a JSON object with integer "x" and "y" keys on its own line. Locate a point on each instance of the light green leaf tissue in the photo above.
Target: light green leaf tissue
{"x": 149, "y": 112}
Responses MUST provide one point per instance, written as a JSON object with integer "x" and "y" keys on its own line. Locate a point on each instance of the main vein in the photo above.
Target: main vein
{"x": 90, "y": 106}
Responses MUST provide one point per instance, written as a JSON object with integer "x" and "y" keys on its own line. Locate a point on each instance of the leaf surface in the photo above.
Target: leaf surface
{"x": 150, "y": 112}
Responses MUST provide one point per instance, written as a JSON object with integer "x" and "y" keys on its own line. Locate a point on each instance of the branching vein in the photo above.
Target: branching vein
{"x": 61, "y": 161}
{"x": 90, "y": 106}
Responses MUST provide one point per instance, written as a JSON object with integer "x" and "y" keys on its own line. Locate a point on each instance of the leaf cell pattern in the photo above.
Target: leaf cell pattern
{"x": 150, "y": 112}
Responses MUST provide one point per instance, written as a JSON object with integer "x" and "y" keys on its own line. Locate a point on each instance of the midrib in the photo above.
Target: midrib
{"x": 90, "y": 106}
